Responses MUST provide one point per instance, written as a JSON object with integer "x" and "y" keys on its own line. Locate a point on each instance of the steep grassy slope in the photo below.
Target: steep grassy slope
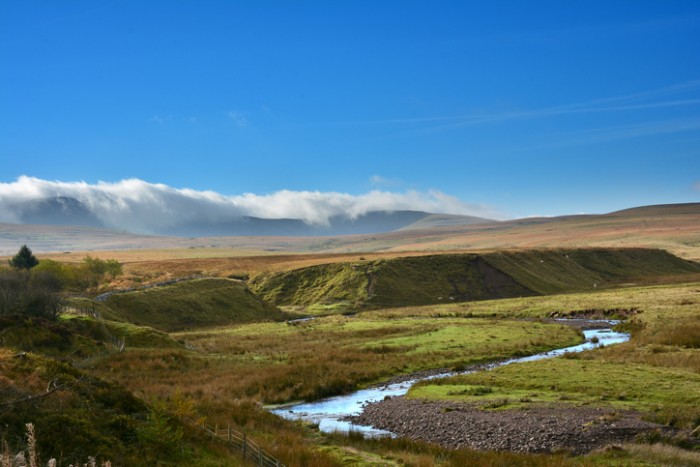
{"x": 431, "y": 279}
{"x": 463, "y": 277}
{"x": 191, "y": 304}
{"x": 554, "y": 271}
{"x": 76, "y": 414}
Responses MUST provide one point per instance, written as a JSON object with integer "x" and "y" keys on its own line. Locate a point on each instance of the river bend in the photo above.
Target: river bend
{"x": 328, "y": 413}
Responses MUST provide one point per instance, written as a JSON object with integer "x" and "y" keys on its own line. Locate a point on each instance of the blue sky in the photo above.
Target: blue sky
{"x": 528, "y": 108}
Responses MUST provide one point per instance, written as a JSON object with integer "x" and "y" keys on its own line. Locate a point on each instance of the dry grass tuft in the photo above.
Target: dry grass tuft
{"x": 8, "y": 459}
{"x": 663, "y": 454}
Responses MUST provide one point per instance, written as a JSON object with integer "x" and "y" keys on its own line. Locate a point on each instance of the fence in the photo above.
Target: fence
{"x": 89, "y": 310}
{"x": 239, "y": 441}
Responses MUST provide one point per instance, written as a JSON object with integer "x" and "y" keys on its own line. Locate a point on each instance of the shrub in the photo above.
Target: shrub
{"x": 8, "y": 459}
{"x": 24, "y": 293}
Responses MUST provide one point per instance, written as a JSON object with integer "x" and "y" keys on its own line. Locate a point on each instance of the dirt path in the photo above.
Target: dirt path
{"x": 538, "y": 429}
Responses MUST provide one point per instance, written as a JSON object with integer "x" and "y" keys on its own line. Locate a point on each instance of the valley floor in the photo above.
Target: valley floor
{"x": 169, "y": 377}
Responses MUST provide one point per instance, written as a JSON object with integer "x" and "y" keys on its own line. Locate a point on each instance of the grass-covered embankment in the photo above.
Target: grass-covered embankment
{"x": 192, "y": 304}
{"x": 433, "y": 279}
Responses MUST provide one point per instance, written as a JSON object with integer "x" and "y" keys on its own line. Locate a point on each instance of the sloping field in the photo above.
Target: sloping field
{"x": 675, "y": 228}
{"x": 422, "y": 280}
{"x": 192, "y": 304}
{"x": 556, "y": 271}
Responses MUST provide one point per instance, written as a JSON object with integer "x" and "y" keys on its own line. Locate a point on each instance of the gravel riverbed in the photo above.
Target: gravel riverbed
{"x": 537, "y": 429}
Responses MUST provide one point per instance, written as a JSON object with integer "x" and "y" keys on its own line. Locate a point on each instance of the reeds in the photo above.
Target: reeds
{"x": 29, "y": 456}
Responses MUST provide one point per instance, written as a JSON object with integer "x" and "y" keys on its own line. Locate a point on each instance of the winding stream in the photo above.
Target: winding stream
{"x": 328, "y": 413}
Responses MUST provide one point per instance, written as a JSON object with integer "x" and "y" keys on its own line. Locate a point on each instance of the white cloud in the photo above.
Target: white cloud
{"x": 160, "y": 120}
{"x": 380, "y": 181}
{"x": 697, "y": 186}
{"x": 139, "y": 206}
{"x": 238, "y": 118}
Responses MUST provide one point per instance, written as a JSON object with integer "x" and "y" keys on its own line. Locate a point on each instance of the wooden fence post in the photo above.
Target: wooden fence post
{"x": 245, "y": 445}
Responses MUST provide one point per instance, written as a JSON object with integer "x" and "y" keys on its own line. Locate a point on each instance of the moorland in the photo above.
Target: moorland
{"x": 141, "y": 357}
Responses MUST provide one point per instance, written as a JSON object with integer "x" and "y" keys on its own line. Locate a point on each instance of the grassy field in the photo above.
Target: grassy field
{"x": 657, "y": 372}
{"x": 278, "y": 362}
{"x": 220, "y": 369}
{"x": 222, "y": 374}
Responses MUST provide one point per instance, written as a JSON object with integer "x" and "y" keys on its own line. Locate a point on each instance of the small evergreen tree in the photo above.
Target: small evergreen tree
{"x": 24, "y": 259}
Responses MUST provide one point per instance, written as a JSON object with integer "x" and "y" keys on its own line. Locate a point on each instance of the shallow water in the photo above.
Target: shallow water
{"x": 327, "y": 413}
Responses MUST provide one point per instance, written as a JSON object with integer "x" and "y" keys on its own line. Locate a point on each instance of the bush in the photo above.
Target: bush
{"x": 65, "y": 274}
{"x": 92, "y": 271}
{"x": 26, "y": 293}
{"x": 80, "y": 277}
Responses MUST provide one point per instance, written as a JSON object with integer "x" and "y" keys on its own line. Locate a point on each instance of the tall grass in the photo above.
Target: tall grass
{"x": 29, "y": 456}
{"x": 418, "y": 453}
{"x": 662, "y": 454}
{"x": 276, "y": 363}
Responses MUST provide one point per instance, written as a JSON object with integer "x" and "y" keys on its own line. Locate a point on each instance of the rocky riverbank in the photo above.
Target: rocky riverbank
{"x": 538, "y": 429}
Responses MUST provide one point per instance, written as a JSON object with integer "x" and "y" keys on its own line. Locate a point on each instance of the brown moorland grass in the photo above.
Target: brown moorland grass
{"x": 144, "y": 266}
{"x": 677, "y": 233}
{"x": 223, "y": 355}
{"x": 277, "y": 362}
{"x": 226, "y": 363}
{"x": 230, "y": 369}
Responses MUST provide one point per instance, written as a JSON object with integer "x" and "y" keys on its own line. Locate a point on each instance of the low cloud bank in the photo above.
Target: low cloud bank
{"x": 139, "y": 206}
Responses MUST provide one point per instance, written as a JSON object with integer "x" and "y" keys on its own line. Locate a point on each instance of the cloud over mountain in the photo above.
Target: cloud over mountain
{"x": 139, "y": 206}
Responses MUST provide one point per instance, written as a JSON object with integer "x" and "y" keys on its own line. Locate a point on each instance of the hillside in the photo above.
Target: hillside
{"x": 47, "y": 378}
{"x": 445, "y": 220}
{"x": 671, "y": 227}
{"x": 84, "y": 416}
{"x": 190, "y": 304}
{"x": 421, "y": 280}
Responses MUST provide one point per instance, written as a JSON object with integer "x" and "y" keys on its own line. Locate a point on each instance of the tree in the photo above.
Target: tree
{"x": 24, "y": 259}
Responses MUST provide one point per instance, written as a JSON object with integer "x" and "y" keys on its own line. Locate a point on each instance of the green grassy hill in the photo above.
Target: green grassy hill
{"x": 76, "y": 414}
{"x": 425, "y": 280}
{"x": 555, "y": 271}
{"x": 191, "y": 304}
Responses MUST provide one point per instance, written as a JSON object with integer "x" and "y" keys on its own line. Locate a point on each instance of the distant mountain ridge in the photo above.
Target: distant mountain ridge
{"x": 674, "y": 227}
{"x": 67, "y": 211}
{"x": 58, "y": 210}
